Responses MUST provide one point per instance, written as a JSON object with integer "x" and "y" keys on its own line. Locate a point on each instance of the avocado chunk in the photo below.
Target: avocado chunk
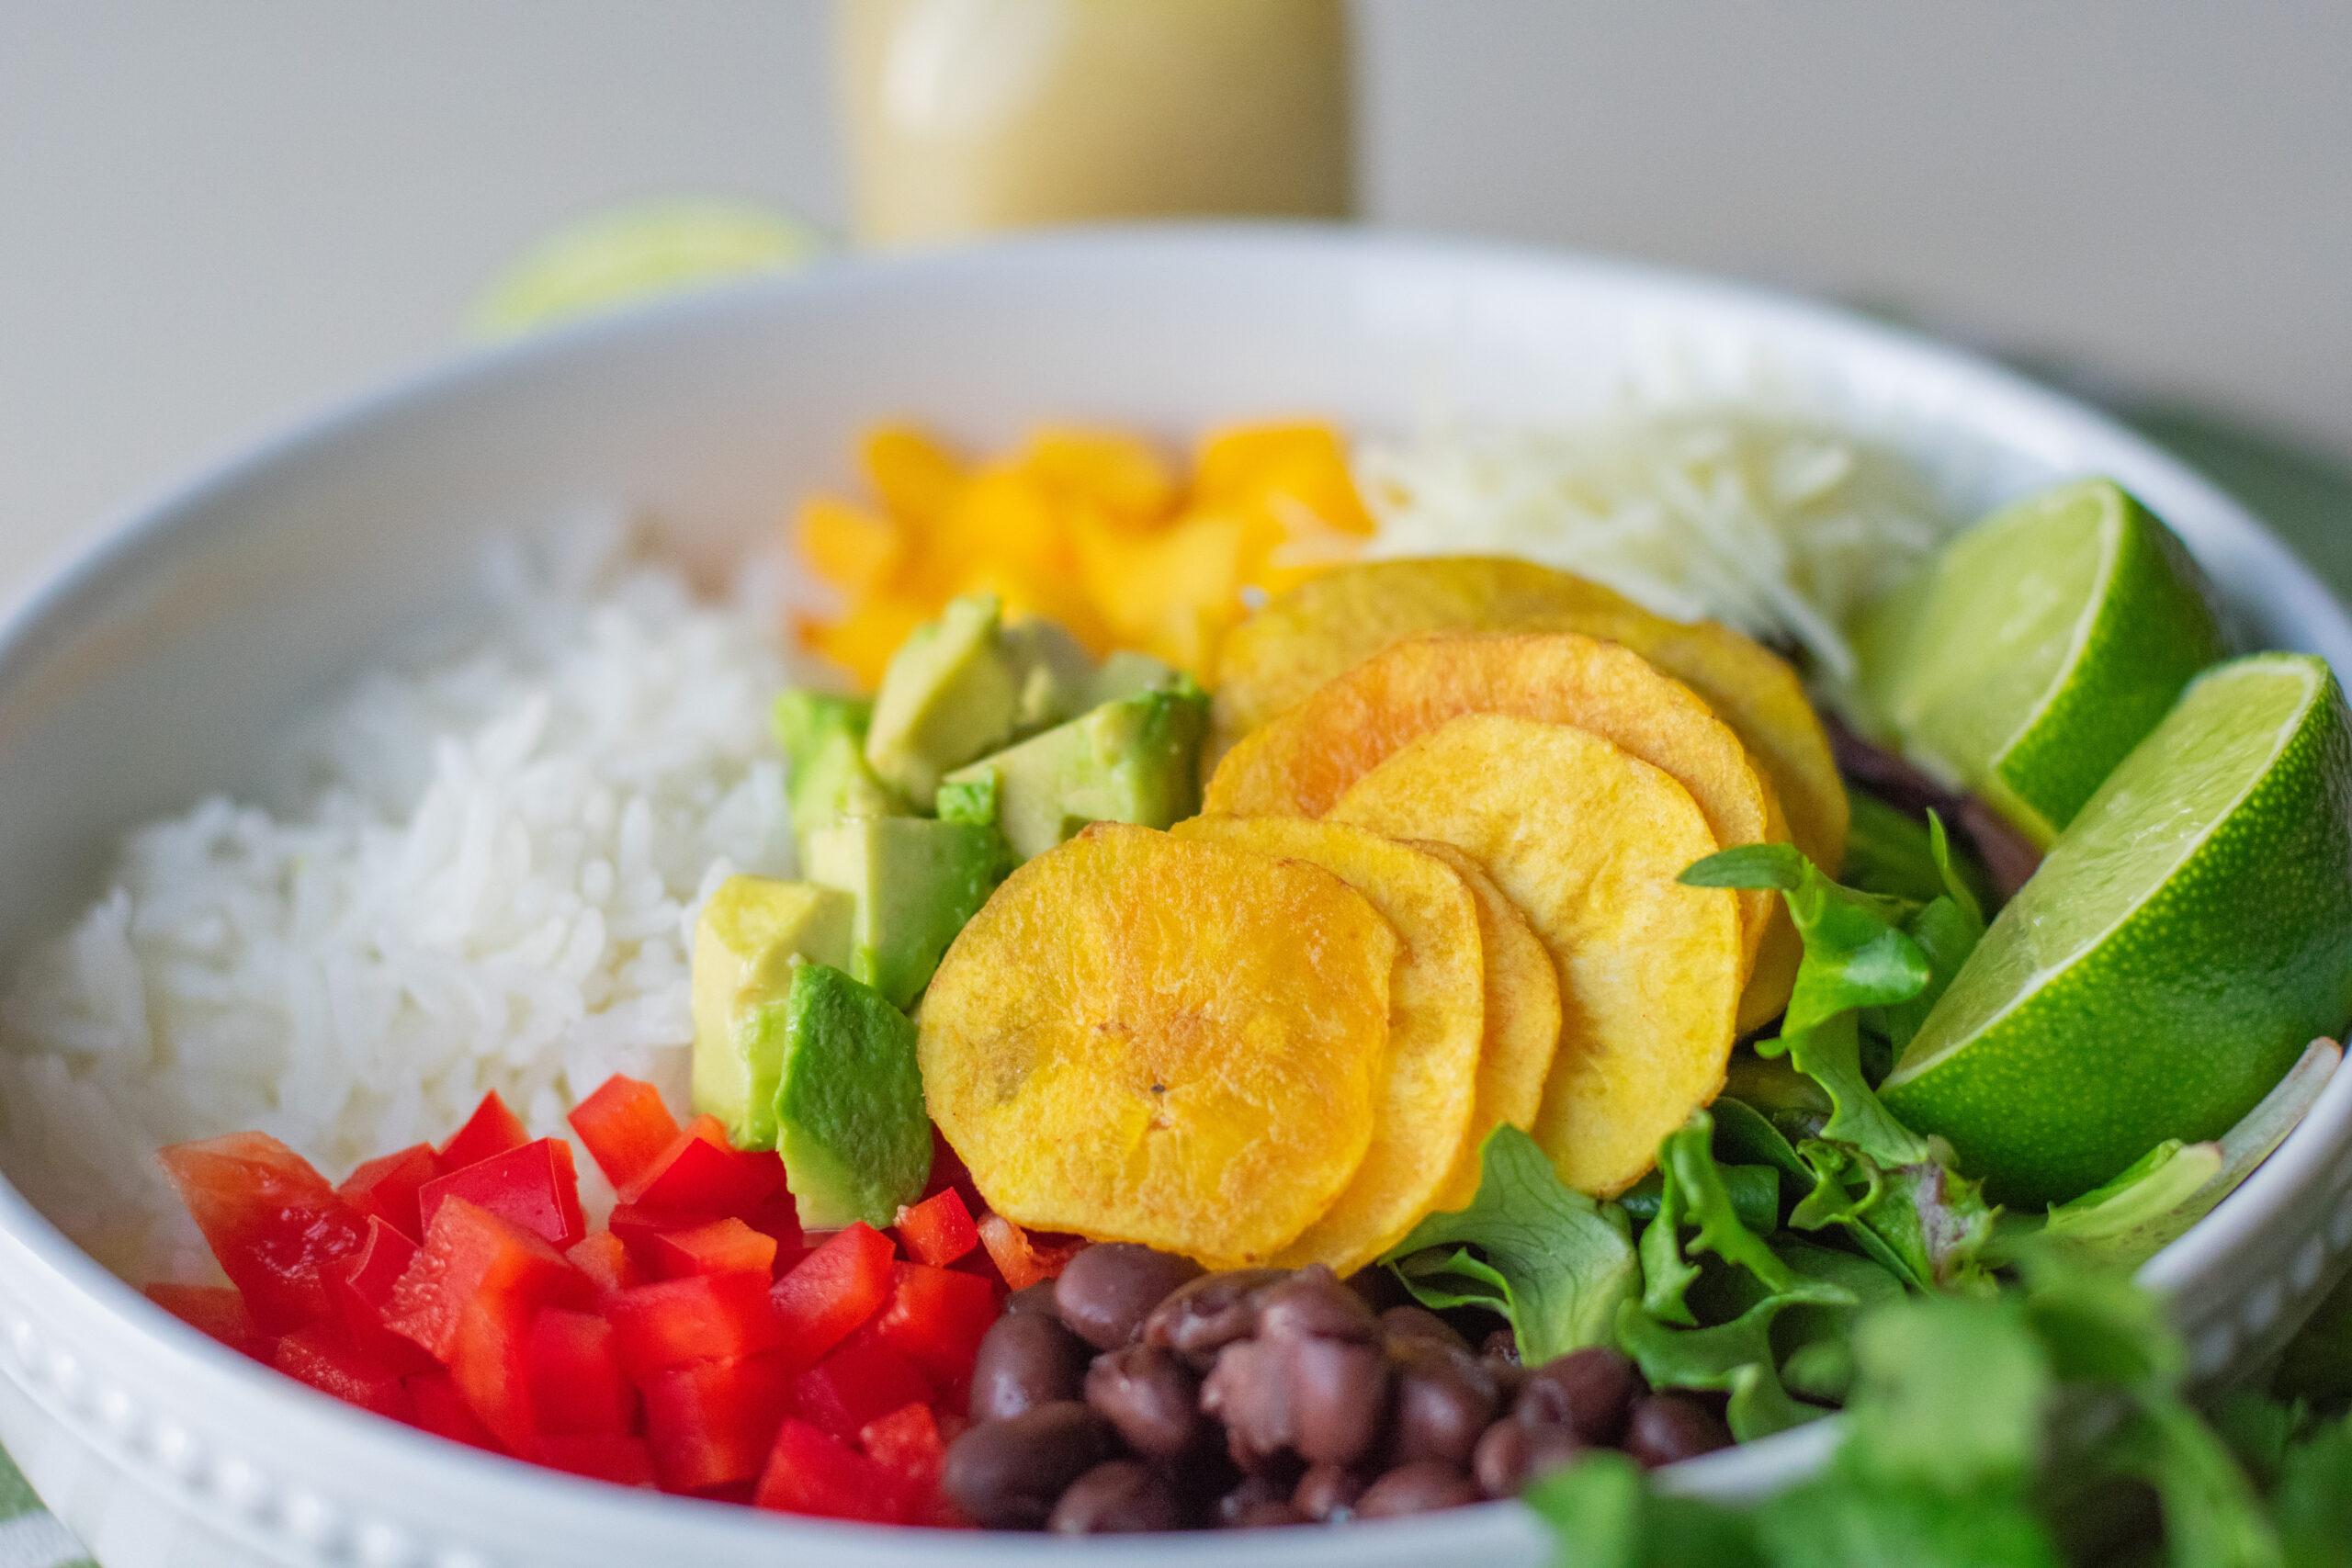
{"x": 848, "y": 1105}
{"x": 949, "y": 695}
{"x": 754, "y": 934}
{"x": 1135, "y": 760}
{"x": 1124, "y": 674}
{"x": 1054, "y": 676}
{"x": 915, "y": 881}
{"x": 828, "y": 777}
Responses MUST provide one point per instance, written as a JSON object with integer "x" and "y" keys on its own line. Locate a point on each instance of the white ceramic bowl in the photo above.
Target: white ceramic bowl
{"x": 155, "y": 667}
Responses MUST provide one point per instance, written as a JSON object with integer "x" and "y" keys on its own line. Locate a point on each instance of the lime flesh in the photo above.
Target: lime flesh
{"x": 2037, "y": 648}
{"x": 2183, "y": 942}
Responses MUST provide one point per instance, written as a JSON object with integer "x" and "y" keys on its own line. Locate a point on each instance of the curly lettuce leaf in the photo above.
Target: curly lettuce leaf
{"x": 1734, "y": 1357}
{"x": 1549, "y": 1258}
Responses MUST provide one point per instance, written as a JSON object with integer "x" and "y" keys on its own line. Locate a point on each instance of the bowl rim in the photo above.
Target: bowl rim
{"x": 132, "y": 537}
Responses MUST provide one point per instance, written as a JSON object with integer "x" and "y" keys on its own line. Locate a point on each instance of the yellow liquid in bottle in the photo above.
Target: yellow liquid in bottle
{"x": 969, "y": 115}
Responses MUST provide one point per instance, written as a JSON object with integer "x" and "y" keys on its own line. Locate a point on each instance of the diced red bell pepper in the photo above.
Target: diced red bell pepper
{"x": 491, "y": 1366}
{"x": 854, "y": 1385}
{"x": 948, "y": 1173}
{"x": 322, "y": 1356}
{"x": 601, "y": 1456}
{"x": 605, "y": 1260}
{"x": 219, "y": 1310}
{"x": 935, "y": 1318}
{"x": 534, "y": 1186}
{"x": 271, "y": 1220}
{"x": 700, "y": 1174}
{"x": 576, "y": 1381}
{"x": 387, "y": 1188}
{"x": 778, "y": 1218}
{"x": 908, "y": 1440}
{"x": 441, "y": 1410}
{"x": 700, "y": 1317}
{"x": 718, "y": 1247}
{"x": 810, "y": 1472}
{"x": 361, "y": 1286}
{"x": 712, "y": 1422}
{"x": 1025, "y": 1260}
{"x": 491, "y": 1130}
{"x": 834, "y": 1289}
{"x": 625, "y": 1127}
{"x": 638, "y": 1226}
{"x": 474, "y": 1260}
{"x": 939, "y": 1230}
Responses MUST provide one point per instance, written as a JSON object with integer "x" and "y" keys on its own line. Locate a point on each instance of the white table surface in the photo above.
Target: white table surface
{"x": 215, "y": 214}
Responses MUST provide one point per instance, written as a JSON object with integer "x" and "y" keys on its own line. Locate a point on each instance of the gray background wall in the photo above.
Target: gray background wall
{"x": 216, "y": 213}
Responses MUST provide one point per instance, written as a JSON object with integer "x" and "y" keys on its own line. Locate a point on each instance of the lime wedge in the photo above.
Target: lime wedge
{"x": 634, "y": 252}
{"x": 2037, "y": 649}
{"x": 2188, "y": 935}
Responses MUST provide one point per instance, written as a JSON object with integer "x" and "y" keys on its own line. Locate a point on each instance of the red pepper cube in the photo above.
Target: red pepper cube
{"x": 854, "y": 1385}
{"x": 360, "y": 1287}
{"x": 605, "y": 1259}
{"x": 908, "y": 1440}
{"x": 700, "y": 1174}
{"x": 323, "y": 1357}
{"x": 698, "y": 1318}
{"x": 271, "y": 1220}
{"x": 218, "y": 1311}
{"x": 935, "y": 1318}
{"x": 441, "y": 1411}
{"x": 573, "y": 1371}
{"x": 387, "y": 1188}
{"x": 534, "y": 1186}
{"x": 600, "y": 1456}
{"x": 834, "y": 1289}
{"x": 778, "y": 1217}
{"x": 948, "y": 1173}
{"x": 491, "y": 1366}
{"x": 939, "y": 1230}
{"x": 639, "y": 1227}
{"x": 1025, "y": 1260}
{"x": 472, "y": 1258}
{"x": 625, "y": 1127}
{"x": 712, "y": 1423}
{"x": 491, "y": 1130}
{"x": 810, "y": 1472}
{"x": 718, "y": 1247}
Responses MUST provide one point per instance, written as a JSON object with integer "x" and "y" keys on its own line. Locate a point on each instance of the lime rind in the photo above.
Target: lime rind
{"x": 2183, "y": 942}
{"x": 622, "y": 255}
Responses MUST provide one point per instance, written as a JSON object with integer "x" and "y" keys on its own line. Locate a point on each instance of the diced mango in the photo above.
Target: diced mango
{"x": 854, "y": 550}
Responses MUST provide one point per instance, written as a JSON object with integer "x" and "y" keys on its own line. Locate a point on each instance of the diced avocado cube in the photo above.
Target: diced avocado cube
{"x": 916, "y": 881}
{"x": 848, "y": 1106}
{"x": 755, "y": 932}
{"x": 828, "y": 778}
{"x": 1126, "y": 673}
{"x": 1136, "y": 760}
{"x": 949, "y": 695}
{"x": 1054, "y": 676}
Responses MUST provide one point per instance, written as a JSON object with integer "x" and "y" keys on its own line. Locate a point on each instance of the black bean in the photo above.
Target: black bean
{"x": 1511, "y": 1455}
{"x": 1502, "y": 1345}
{"x": 1152, "y": 1395}
{"x": 1419, "y": 1323}
{"x": 1009, "y": 1475}
{"x": 1328, "y": 1492}
{"x": 1422, "y": 1487}
{"x": 1263, "y": 1516}
{"x": 1445, "y": 1398}
{"x": 1668, "y": 1428}
{"x": 1106, "y": 1292}
{"x": 1324, "y": 1400}
{"x": 1590, "y": 1392}
{"x": 1199, "y": 1319}
{"x": 1024, "y": 1362}
{"x": 1120, "y": 1497}
{"x": 1255, "y": 1494}
{"x": 1313, "y": 1301}
{"x": 1037, "y": 1298}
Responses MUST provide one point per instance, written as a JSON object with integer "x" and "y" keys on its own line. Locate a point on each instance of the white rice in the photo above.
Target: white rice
{"x": 484, "y": 874}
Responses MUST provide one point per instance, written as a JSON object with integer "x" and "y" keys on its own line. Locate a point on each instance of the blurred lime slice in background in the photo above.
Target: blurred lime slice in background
{"x": 2186, "y": 937}
{"x": 2037, "y": 649}
{"x": 627, "y": 255}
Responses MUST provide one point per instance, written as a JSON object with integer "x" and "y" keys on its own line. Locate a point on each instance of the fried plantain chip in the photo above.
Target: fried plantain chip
{"x": 1144, "y": 1039}
{"x": 1587, "y": 840}
{"x": 1297, "y": 764}
{"x": 1436, "y": 1026}
{"x": 1522, "y": 1024}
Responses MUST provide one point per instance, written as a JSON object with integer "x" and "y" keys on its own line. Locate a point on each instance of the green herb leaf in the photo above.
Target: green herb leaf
{"x": 1603, "y": 1515}
{"x": 1831, "y": 1055}
{"x": 1734, "y": 1357}
{"x": 2313, "y": 1503}
{"x": 1950, "y": 1392}
{"x": 1549, "y": 1258}
{"x": 1841, "y": 1522}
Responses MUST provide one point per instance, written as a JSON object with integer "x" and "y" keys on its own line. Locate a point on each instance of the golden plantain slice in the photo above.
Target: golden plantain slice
{"x": 1522, "y": 1024}
{"x": 1436, "y": 1026}
{"x": 1587, "y": 840}
{"x": 1140, "y": 1038}
{"x": 1297, "y": 764}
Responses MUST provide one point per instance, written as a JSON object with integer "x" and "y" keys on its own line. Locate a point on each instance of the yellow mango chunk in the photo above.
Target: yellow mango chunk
{"x": 1587, "y": 840}
{"x": 1436, "y": 1026}
{"x": 1142, "y": 1038}
{"x": 854, "y": 550}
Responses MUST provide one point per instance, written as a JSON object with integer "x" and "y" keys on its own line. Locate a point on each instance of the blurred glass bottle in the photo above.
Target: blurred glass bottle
{"x": 967, "y": 116}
